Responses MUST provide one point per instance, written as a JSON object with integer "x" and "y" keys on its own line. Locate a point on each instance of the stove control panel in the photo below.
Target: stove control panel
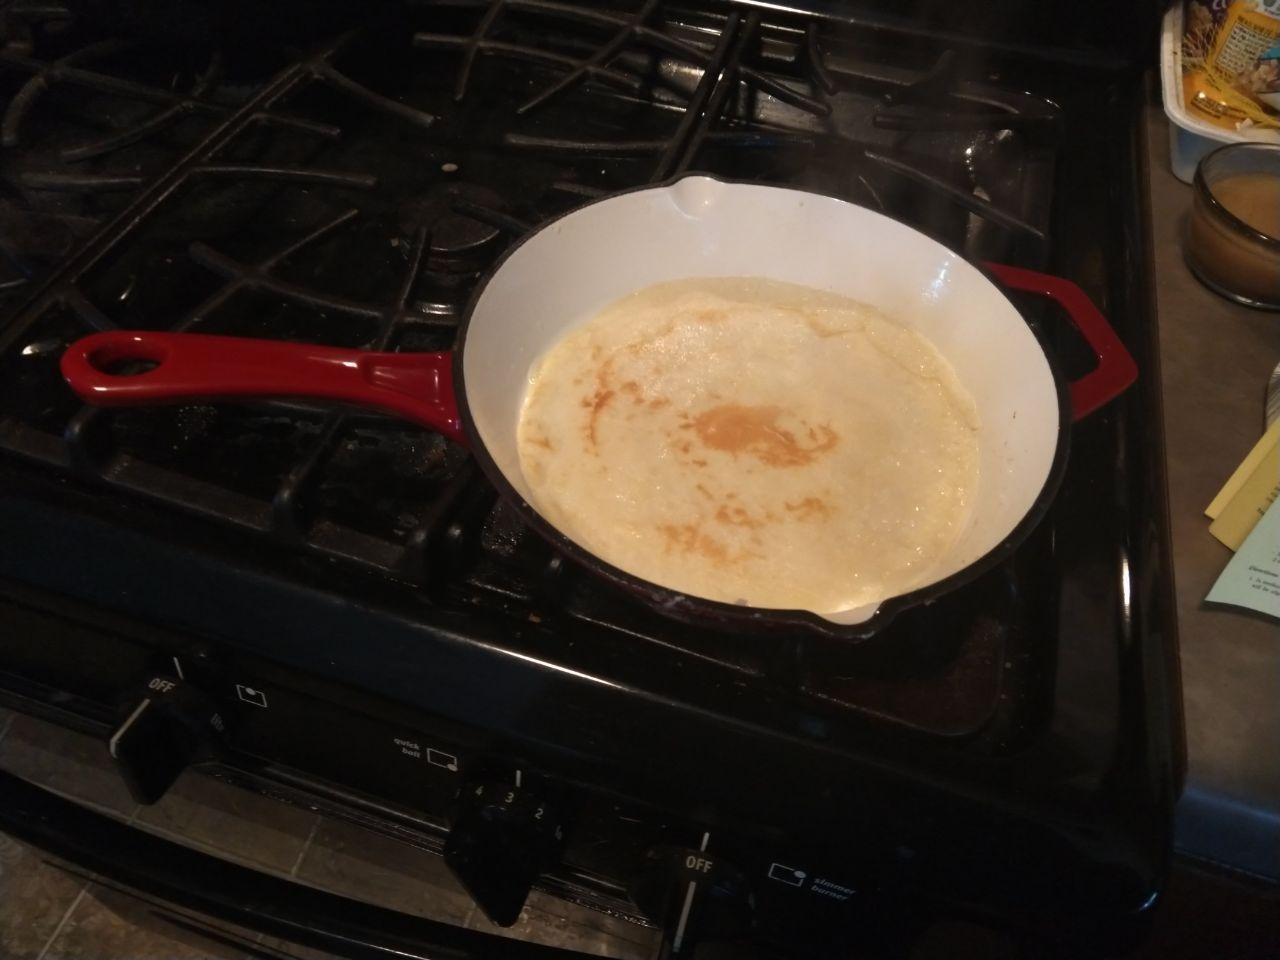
{"x": 168, "y": 725}
{"x": 504, "y": 837}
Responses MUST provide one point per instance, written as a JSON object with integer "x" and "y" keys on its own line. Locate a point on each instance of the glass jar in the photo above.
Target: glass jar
{"x": 1227, "y": 254}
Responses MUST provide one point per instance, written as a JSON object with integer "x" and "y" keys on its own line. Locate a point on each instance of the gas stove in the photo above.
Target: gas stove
{"x": 333, "y": 607}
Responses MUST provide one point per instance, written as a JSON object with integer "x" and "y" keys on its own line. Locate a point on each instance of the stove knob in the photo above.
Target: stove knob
{"x": 696, "y": 898}
{"x": 502, "y": 840}
{"x": 166, "y": 728}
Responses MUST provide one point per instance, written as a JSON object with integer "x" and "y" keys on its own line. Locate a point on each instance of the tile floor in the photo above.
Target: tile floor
{"x": 48, "y": 914}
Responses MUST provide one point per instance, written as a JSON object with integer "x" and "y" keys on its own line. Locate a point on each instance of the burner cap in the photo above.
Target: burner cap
{"x": 453, "y": 233}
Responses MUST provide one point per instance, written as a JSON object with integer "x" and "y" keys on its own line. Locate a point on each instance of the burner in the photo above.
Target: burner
{"x": 453, "y": 216}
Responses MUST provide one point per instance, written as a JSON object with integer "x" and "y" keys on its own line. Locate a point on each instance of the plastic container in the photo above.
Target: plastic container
{"x": 1190, "y": 138}
{"x": 1226, "y": 253}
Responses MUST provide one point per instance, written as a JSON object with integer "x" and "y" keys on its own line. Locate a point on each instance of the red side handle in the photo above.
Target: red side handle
{"x": 1116, "y": 370}
{"x": 192, "y": 366}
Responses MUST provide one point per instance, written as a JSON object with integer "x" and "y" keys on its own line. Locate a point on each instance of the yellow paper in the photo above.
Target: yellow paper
{"x": 1269, "y": 441}
{"x": 1256, "y": 494}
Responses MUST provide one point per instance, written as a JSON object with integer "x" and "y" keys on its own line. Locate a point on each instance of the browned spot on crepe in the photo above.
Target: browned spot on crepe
{"x": 738, "y": 517}
{"x": 810, "y": 508}
{"x": 739, "y": 429}
{"x": 689, "y": 538}
{"x": 597, "y": 401}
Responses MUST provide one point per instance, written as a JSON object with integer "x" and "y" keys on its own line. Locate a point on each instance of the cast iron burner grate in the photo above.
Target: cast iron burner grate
{"x": 353, "y": 194}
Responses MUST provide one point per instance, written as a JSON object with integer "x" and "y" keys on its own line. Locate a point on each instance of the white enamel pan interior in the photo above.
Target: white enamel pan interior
{"x": 567, "y": 272}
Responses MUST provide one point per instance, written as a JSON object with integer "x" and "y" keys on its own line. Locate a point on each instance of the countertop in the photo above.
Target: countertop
{"x": 1216, "y": 357}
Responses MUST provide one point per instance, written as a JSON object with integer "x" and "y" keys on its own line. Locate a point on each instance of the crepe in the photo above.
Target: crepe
{"x": 753, "y": 442}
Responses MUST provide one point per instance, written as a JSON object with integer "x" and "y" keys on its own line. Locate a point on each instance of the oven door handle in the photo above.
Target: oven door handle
{"x": 173, "y": 874}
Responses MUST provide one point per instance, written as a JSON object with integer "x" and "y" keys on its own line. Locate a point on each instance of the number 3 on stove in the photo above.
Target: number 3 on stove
{"x": 511, "y": 795}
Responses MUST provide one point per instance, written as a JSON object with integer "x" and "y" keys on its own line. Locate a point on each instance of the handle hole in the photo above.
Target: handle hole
{"x": 118, "y": 363}
{"x": 129, "y": 368}
{"x": 1054, "y": 326}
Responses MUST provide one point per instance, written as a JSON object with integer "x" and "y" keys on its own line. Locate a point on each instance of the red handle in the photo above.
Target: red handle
{"x": 192, "y": 366}
{"x": 1115, "y": 371}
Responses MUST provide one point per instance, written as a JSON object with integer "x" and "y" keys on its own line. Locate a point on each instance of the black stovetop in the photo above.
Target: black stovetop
{"x": 346, "y": 180}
